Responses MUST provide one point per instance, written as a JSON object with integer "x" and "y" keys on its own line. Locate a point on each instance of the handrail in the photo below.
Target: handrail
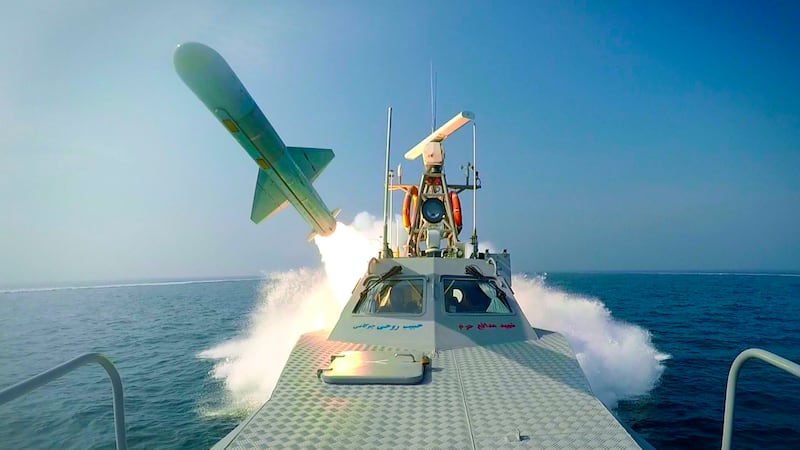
{"x": 46, "y": 377}
{"x": 730, "y": 392}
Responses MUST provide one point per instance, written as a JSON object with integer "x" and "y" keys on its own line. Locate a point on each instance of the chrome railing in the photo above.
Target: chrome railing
{"x": 730, "y": 392}
{"x": 43, "y": 378}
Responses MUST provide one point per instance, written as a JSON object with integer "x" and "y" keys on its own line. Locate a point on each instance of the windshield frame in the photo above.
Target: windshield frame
{"x": 442, "y": 289}
{"x": 378, "y": 287}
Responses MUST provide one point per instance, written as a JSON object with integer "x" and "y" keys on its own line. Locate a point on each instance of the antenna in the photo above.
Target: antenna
{"x": 433, "y": 99}
{"x": 391, "y": 207}
{"x": 397, "y": 225}
{"x": 387, "y": 251}
{"x": 441, "y": 133}
{"x": 474, "y": 193}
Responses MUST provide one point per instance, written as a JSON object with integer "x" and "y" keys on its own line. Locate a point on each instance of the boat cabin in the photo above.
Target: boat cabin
{"x": 431, "y": 304}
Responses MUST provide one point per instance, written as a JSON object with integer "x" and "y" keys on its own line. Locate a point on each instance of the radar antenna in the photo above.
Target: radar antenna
{"x": 434, "y": 222}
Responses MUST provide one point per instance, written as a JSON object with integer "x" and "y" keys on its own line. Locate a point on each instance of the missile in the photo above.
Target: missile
{"x": 285, "y": 174}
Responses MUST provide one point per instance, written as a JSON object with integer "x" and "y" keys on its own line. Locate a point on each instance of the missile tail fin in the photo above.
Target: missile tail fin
{"x": 268, "y": 198}
{"x": 311, "y": 160}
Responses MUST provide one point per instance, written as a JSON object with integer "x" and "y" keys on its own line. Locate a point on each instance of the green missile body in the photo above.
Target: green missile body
{"x": 285, "y": 173}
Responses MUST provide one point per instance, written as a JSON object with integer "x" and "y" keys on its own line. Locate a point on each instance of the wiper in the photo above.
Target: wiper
{"x": 475, "y": 272}
{"x": 370, "y": 283}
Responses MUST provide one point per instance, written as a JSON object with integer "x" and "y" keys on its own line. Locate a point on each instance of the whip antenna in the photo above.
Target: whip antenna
{"x": 433, "y": 99}
{"x": 474, "y": 193}
{"x": 387, "y": 251}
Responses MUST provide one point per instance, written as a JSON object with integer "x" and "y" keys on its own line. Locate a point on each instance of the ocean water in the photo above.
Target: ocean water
{"x": 703, "y": 321}
{"x": 184, "y": 351}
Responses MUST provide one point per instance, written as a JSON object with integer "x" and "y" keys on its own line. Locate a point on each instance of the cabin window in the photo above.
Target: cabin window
{"x": 471, "y": 296}
{"x": 392, "y": 296}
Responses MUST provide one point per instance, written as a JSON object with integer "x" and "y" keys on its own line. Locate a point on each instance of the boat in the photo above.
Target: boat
{"x": 432, "y": 350}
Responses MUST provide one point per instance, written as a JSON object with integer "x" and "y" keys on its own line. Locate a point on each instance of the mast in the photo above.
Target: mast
{"x": 391, "y": 209}
{"x": 397, "y": 225}
{"x": 387, "y": 251}
{"x": 474, "y": 239}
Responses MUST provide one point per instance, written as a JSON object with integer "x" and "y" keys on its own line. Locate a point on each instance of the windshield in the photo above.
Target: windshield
{"x": 472, "y": 296}
{"x": 393, "y": 297}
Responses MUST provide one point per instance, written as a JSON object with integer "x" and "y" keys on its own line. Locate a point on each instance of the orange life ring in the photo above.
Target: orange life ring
{"x": 456, "y": 204}
{"x": 411, "y": 198}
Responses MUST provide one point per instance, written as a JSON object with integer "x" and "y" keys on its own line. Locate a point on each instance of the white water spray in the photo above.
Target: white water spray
{"x": 289, "y": 304}
{"x": 618, "y": 358}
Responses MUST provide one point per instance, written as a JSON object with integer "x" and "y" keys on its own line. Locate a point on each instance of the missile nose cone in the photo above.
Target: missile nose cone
{"x": 193, "y": 56}
{"x": 210, "y": 77}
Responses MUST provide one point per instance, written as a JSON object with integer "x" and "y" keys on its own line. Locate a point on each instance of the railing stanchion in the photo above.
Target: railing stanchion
{"x": 59, "y": 371}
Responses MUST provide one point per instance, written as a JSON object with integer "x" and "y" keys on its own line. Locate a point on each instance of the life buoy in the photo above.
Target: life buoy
{"x": 411, "y": 198}
{"x": 456, "y": 204}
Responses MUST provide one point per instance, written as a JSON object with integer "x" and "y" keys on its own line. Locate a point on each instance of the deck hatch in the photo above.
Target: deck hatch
{"x": 373, "y": 367}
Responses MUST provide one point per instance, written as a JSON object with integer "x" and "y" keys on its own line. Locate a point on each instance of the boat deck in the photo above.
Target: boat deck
{"x": 519, "y": 394}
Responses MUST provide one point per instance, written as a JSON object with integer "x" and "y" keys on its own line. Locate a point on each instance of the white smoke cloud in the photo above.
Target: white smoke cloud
{"x": 345, "y": 254}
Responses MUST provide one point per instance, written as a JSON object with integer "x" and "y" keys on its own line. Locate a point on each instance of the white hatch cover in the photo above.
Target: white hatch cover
{"x": 373, "y": 367}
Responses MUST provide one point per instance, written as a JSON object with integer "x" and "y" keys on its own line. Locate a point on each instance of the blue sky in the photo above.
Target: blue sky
{"x": 612, "y": 136}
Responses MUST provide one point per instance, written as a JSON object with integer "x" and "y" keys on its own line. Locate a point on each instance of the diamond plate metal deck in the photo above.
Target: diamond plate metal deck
{"x": 521, "y": 394}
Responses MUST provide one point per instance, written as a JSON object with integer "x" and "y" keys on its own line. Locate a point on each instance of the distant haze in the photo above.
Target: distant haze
{"x": 641, "y": 137}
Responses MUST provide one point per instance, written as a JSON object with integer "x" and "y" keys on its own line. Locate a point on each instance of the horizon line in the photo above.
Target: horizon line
{"x": 166, "y": 281}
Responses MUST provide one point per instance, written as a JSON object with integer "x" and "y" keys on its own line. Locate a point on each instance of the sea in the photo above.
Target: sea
{"x": 197, "y": 356}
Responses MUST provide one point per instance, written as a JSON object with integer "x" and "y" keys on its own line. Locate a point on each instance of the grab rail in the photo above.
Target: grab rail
{"x": 43, "y": 378}
{"x": 730, "y": 392}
